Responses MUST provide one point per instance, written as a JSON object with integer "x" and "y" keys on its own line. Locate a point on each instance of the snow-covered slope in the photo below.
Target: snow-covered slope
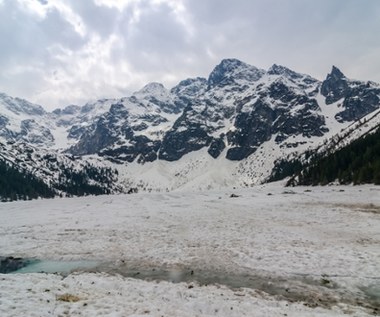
{"x": 21, "y": 120}
{"x": 64, "y": 174}
{"x": 228, "y": 129}
{"x": 133, "y": 127}
{"x": 298, "y": 253}
{"x": 72, "y": 121}
{"x": 234, "y": 129}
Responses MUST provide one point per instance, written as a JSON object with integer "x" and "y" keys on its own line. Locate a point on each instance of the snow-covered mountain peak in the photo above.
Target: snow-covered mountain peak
{"x": 190, "y": 87}
{"x": 20, "y": 106}
{"x": 284, "y": 71}
{"x": 155, "y": 94}
{"x": 240, "y": 115}
{"x": 232, "y": 70}
{"x": 280, "y": 70}
{"x": 21, "y": 120}
{"x": 153, "y": 88}
{"x": 69, "y": 110}
{"x": 232, "y": 63}
{"x": 292, "y": 78}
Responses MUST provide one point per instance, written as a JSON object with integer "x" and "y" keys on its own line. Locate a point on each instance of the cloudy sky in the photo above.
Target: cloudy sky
{"x": 59, "y": 52}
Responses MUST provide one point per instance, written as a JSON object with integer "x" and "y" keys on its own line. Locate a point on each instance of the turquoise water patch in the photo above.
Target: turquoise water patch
{"x": 61, "y": 267}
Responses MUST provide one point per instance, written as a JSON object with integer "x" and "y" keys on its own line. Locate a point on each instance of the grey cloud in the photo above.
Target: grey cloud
{"x": 24, "y": 39}
{"x": 158, "y": 35}
{"x": 308, "y": 36}
{"x": 119, "y": 52}
{"x": 24, "y": 56}
{"x": 102, "y": 20}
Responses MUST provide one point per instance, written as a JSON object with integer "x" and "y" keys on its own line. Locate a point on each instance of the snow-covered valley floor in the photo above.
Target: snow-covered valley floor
{"x": 271, "y": 251}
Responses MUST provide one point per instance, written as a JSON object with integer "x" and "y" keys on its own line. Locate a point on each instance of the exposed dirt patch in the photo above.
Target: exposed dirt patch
{"x": 69, "y": 298}
{"x": 370, "y": 208}
{"x": 312, "y": 291}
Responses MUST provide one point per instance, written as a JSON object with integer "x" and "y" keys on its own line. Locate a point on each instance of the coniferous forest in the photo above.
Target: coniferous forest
{"x": 357, "y": 163}
{"x": 17, "y": 185}
{"x": 80, "y": 183}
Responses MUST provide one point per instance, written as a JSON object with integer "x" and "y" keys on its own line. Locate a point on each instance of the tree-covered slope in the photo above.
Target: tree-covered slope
{"x": 357, "y": 163}
{"x": 15, "y": 185}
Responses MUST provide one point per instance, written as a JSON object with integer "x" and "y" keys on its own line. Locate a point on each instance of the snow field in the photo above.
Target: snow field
{"x": 40, "y": 295}
{"x": 297, "y": 238}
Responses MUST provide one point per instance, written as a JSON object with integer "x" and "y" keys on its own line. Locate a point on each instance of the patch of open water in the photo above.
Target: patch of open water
{"x": 60, "y": 267}
{"x": 312, "y": 291}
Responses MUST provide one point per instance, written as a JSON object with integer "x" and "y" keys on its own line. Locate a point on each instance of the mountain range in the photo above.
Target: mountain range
{"x": 230, "y": 129}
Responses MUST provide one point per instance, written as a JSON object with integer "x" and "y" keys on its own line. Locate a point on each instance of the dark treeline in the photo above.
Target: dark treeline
{"x": 88, "y": 181}
{"x": 356, "y": 163}
{"x": 18, "y": 184}
{"x": 15, "y": 185}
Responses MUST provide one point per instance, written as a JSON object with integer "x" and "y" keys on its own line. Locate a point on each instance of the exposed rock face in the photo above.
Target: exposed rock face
{"x": 102, "y": 133}
{"x": 231, "y": 71}
{"x": 357, "y": 98}
{"x": 133, "y": 128}
{"x": 360, "y": 100}
{"x": 23, "y": 121}
{"x": 178, "y": 142}
{"x": 236, "y": 110}
{"x": 335, "y": 86}
{"x": 251, "y": 129}
{"x": 216, "y": 147}
{"x": 242, "y": 108}
{"x": 35, "y": 133}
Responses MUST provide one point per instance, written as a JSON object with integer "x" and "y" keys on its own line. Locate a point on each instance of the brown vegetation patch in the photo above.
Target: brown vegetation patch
{"x": 68, "y": 298}
{"x": 371, "y": 208}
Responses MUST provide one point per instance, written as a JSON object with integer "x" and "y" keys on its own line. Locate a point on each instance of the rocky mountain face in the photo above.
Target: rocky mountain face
{"x": 356, "y": 98}
{"x": 337, "y": 158}
{"x": 63, "y": 174}
{"x": 237, "y": 114}
{"x": 21, "y": 120}
{"x": 234, "y": 111}
{"x": 133, "y": 127}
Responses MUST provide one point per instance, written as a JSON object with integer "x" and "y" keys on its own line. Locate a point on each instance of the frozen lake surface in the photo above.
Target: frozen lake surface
{"x": 272, "y": 251}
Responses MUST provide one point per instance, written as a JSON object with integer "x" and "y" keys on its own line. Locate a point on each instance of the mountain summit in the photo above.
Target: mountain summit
{"x": 232, "y": 70}
{"x": 335, "y": 86}
{"x": 227, "y": 129}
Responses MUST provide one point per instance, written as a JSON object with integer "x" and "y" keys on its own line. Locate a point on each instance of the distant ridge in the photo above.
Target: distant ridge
{"x": 229, "y": 129}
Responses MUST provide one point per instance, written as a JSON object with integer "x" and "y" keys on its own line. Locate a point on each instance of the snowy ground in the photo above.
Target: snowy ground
{"x": 272, "y": 251}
